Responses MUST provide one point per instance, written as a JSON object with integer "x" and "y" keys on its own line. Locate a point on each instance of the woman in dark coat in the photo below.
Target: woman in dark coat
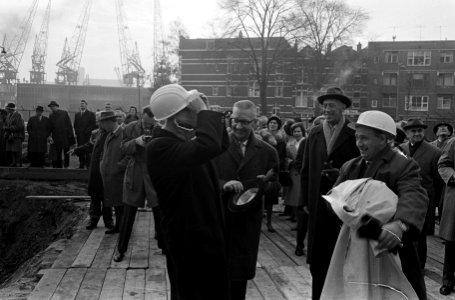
{"x": 39, "y": 130}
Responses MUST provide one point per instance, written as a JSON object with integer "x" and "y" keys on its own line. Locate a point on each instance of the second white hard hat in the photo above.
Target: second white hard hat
{"x": 170, "y": 99}
{"x": 378, "y": 120}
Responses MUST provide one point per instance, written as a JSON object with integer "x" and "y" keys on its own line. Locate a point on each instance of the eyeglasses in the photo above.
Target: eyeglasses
{"x": 243, "y": 122}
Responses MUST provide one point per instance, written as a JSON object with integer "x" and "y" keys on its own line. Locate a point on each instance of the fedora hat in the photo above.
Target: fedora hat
{"x": 247, "y": 199}
{"x": 39, "y": 108}
{"x": 10, "y": 105}
{"x": 414, "y": 123}
{"x": 108, "y": 115}
{"x": 449, "y": 127}
{"x": 335, "y": 93}
{"x": 53, "y": 103}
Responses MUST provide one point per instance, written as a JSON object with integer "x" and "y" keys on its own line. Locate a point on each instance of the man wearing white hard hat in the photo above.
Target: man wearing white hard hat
{"x": 179, "y": 161}
{"x": 377, "y": 160}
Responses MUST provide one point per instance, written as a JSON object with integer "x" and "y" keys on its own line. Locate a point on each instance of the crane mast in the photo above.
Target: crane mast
{"x": 132, "y": 70}
{"x": 68, "y": 65}
{"x": 38, "y": 74}
{"x": 10, "y": 62}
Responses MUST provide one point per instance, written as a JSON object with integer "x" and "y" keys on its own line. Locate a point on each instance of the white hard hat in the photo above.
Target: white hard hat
{"x": 378, "y": 120}
{"x": 168, "y": 100}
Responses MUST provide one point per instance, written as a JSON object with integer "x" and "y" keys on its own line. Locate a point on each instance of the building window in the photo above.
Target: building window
{"x": 357, "y": 79}
{"x": 376, "y": 59}
{"x": 416, "y": 103}
{"x": 374, "y": 103}
{"x": 419, "y": 80}
{"x": 302, "y": 99}
{"x": 214, "y": 91}
{"x": 444, "y": 101}
{"x": 275, "y": 110}
{"x": 391, "y": 57}
{"x": 419, "y": 58}
{"x": 279, "y": 68}
{"x": 355, "y": 104}
{"x": 389, "y": 100}
{"x": 228, "y": 88}
{"x": 445, "y": 79}
{"x": 446, "y": 57}
{"x": 279, "y": 89}
{"x": 253, "y": 89}
{"x": 389, "y": 79}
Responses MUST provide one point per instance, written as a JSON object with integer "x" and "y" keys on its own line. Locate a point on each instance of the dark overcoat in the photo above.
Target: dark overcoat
{"x": 186, "y": 183}
{"x": 401, "y": 175}
{"x": 137, "y": 184}
{"x": 112, "y": 169}
{"x": 38, "y": 132}
{"x": 446, "y": 167}
{"x": 84, "y": 123}
{"x": 323, "y": 225}
{"x": 244, "y": 228}
{"x": 62, "y": 129}
{"x": 14, "y": 132}
{"x": 427, "y": 157}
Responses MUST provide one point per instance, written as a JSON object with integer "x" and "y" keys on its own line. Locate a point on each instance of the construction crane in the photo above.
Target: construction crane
{"x": 68, "y": 65}
{"x": 10, "y": 62}
{"x": 132, "y": 70}
{"x": 158, "y": 50}
{"x": 38, "y": 74}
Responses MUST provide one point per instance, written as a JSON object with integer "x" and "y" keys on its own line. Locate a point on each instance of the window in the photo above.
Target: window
{"x": 419, "y": 58}
{"x": 391, "y": 57}
{"x": 304, "y": 99}
{"x": 445, "y": 79}
{"x": 279, "y": 68}
{"x": 214, "y": 91}
{"x": 357, "y": 79}
{"x": 355, "y": 104}
{"x": 374, "y": 103}
{"x": 444, "y": 101}
{"x": 229, "y": 88}
{"x": 389, "y": 79}
{"x": 446, "y": 57}
{"x": 419, "y": 80}
{"x": 279, "y": 89}
{"x": 275, "y": 110}
{"x": 376, "y": 59}
{"x": 416, "y": 103}
{"x": 389, "y": 100}
{"x": 253, "y": 89}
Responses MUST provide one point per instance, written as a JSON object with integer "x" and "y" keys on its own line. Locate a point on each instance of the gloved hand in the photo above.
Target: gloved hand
{"x": 331, "y": 174}
{"x": 391, "y": 236}
{"x": 233, "y": 186}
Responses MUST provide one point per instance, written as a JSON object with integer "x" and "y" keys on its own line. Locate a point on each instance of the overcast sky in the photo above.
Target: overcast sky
{"x": 407, "y": 19}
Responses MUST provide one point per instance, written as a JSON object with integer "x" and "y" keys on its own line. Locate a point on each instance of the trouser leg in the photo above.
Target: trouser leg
{"x": 448, "y": 276}
{"x": 58, "y": 163}
{"x": 126, "y": 227}
{"x": 302, "y": 225}
{"x": 96, "y": 203}
{"x": 81, "y": 161}
{"x": 422, "y": 249}
{"x": 238, "y": 289}
{"x": 33, "y": 159}
{"x": 107, "y": 215}
{"x": 118, "y": 216}
{"x": 318, "y": 273}
{"x": 411, "y": 268}
{"x": 157, "y": 222}
{"x": 66, "y": 157}
{"x": 40, "y": 159}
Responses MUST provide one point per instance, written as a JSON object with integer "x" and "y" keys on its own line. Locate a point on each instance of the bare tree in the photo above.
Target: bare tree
{"x": 261, "y": 28}
{"x": 324, "y": 25}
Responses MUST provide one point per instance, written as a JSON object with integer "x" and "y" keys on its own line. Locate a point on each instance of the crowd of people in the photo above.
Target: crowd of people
{"x": 191, "y": 165}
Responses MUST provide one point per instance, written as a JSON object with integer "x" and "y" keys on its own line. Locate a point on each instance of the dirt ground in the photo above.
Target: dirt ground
{"x": 28, "y": 227}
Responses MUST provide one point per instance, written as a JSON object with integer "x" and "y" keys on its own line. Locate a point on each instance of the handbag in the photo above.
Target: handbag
{"x": 284, "y": 177}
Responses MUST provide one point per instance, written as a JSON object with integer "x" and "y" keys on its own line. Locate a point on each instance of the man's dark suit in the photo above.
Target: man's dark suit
{"x": 84, "y": 123}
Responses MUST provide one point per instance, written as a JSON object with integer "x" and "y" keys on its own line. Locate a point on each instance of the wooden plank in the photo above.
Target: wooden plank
{"x": 433, "y": 290}
{"x": 140, "y": 241}
{"x": 85, "y": 257}
{"x": 304, "y": 271}
{"x": 91, "y": 285}
{"x": 264, "y": 257}
{"x": 134, "y": 284}
{"x": 54, "y": 197}
{"x": 252, "y": 292}
{"x": 67, "y": 257}
{"x": 70, "y": 284}
{"x": 48, "y": 284}
{"x": 302, "y": 286}
{"x": 281, "y": 258}
{"x": 284, "y": 284}
{"x": 113, "y": 285}
{"x": 266, "y": 286}
{"x": 44, "y": 174}
{"x": 155, "y": 284}
{"x": 286, "y": 248}
{"x": 105, "y": 251}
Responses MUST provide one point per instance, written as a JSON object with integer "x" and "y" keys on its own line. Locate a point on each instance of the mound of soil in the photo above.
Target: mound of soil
{"x": 27, "y": 227}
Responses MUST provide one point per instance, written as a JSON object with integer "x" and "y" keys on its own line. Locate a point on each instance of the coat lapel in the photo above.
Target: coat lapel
{"x": 234, "y": 152}
{"x": 342, "y": 137}
{"x": 251, "y": 150}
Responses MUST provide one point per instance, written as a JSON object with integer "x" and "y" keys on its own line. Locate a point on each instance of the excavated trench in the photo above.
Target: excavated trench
{"x": 27, "y": 227}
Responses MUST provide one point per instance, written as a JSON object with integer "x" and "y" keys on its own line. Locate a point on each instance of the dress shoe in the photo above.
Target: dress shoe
{"x": 299, "y": 252}
{"x": 113, "y": 230}
{"x": 91, "y": 225}
{"x": 446, "y": 289}
{"x": 270, "y": 228}
{"x": 109, "y": 225}
{"x": 118, "y": 256}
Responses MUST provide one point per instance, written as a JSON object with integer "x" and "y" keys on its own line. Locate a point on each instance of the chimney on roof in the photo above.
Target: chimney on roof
{"x": 359, "y": 47}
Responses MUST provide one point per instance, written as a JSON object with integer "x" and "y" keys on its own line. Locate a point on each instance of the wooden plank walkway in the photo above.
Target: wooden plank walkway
{"x": 85, "y": 269}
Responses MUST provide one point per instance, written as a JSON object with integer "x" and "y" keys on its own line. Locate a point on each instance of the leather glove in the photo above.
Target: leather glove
{"x": 331, "y": 174}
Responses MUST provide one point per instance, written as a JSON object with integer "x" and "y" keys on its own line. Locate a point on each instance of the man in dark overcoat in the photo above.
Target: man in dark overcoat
{"x": 446, "y": 167}
{"x": 179, "y": 161}
{"x": 328, "y": 146}
{"x": 247, "y": 157}
{"x": 426, "y": 156}
{"x": 62, "y": 135}
{"x": 137, "y": 185}
{"x": 95, "y": 186}
{"x": 39, "y": 130}
{"x": 84, "y": 123}
{"x": 377, "y": 160}
{"x": 14, "y": 135}
{"x": 112, "y": 166}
